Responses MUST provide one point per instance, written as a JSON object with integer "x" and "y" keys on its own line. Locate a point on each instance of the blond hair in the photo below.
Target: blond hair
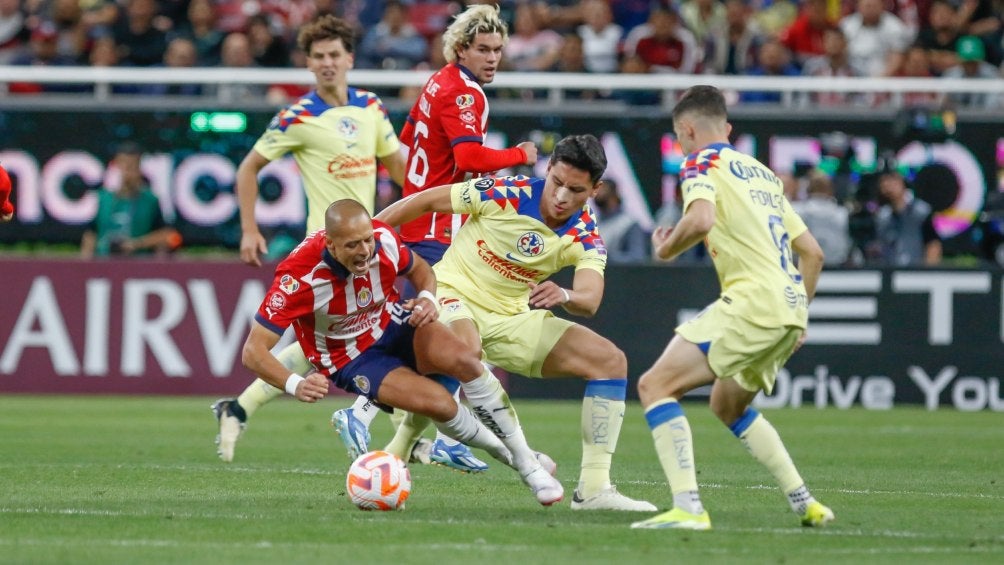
{"x": 478, "y": 18}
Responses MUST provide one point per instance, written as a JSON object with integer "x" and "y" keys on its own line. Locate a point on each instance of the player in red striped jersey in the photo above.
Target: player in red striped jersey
{"x": 336, "y": 290}
{"x": 444, "y": 136}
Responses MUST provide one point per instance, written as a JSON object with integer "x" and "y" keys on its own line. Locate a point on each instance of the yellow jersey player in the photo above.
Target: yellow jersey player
{"x": 736, "y": 206}
{"x": 337, "y": 134}
{"x": 493, "y": 291}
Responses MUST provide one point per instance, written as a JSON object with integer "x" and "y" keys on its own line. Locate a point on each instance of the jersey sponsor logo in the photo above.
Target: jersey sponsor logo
{"x": 484, "y": 184}
{"x": 530, "y": 244}
{"x": 465, "y": 100}
{"x": 288, "y": 284}
{"x": 504, "y": 267}
{"x": 362, "y": 383}
{"x": 468, "y": 116}
{"x": 450, "y": 304}
{"x": 364, "y": 297}
{"x": 750, "y": 172}
{"x": 348, "y": 127}
{"x": 510, "y": 257}
{"x": 276, "y": 301}
{"x": 346, "y": 166}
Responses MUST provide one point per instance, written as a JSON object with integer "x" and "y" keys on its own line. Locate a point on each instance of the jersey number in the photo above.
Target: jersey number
{"x": 780, "y": 235}
{"x": 418, "y": 166}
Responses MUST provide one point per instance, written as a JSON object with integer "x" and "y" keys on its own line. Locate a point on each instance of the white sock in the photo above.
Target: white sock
{"x": 364, "y": 410}
{"x": 490, "y": 403}
{"x": 799, "y": 500}
{"x": 689, "y": 500}
{"x": 467, "y": 429}
{"x": 440, "y": 436}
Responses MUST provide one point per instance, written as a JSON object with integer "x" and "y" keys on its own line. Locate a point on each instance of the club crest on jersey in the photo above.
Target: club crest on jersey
{"x": 484, "y": 184}
{"x": 276, "y": 301}
{"x": 468, "y": 117}
{"x": 530, "y": 244}
{"x": 362, "y": 383}
{"x": 288, "y": 284}
{"x": 364, "y": 297}
{"x": 465, "y": 100}
{"x": 348, "y": 128}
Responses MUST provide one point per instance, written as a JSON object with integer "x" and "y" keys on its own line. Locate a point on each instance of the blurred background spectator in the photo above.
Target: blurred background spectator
{"x": 531, "y": 46}
{"x": 834, "y": 62}
{"x": 876, "y": 39}
{"x": 601, "y": 37}
{"x": 394, "y": 43}
{"x": 904, "y": 224}
{"x": 939, "y": 34}
{"x": 826, "y": 218}
{"x": 624, "y": 238}
{"x": 972, "y": 64}
{"x": 773, "y": 60}
{"x": 268, "y": 46}
{"x": 140, "y": 43}
{"x": 129, "y": 220}
{"x": 733, "y": 48}
{"x": 664, "y": 44}
{"x": 201, "y": 28}
{"x": 805, "y": 37}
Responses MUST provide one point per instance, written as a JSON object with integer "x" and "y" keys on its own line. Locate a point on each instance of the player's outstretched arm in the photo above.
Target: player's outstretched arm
{"x": 693, "y": 227}
{"x": 257, "y": 357}
{"x": 432, "y": 200}
{"x": 810, "y": 261}
{"x": 395, "y": 165}
{"x": 583, "y": 299}
{"x": 252, "y": 242}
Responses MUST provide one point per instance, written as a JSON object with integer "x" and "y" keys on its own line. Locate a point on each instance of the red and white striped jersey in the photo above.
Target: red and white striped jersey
{"x": 336, "y": 315}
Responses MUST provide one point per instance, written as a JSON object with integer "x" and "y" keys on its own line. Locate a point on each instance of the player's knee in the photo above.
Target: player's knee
{"x": 441, "y": 407}
{"x": 648, "y": 392}
{"x": 611, "y": 362}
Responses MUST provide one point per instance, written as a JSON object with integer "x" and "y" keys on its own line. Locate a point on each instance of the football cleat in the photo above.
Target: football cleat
{"x": 353, "y": 433}
{"x": 231, "y": 428}
{"x": 421, "y": 453}
{"x": 676, "y": 519}
{"x": 457, "y": 456}
{"x": 546, "y": 488}
{"x": 610, "y": 499}
{"x": 816, "y": 515}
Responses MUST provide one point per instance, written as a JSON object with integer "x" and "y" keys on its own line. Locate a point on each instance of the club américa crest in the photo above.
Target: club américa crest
{"x": 530, "y": 244}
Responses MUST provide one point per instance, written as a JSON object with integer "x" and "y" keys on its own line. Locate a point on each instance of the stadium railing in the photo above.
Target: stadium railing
{"x": 556, "y": 85}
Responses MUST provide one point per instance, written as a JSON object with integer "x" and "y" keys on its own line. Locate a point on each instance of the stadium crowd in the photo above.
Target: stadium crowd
{"x": 831, "y": 38}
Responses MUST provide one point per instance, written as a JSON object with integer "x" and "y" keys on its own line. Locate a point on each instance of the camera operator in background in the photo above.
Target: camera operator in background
{"x": 129, "y": 220}
{"x": 904, "y": 224}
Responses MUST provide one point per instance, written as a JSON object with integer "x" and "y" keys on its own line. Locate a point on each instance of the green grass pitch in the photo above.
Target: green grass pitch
{"x": 137, "y": 480}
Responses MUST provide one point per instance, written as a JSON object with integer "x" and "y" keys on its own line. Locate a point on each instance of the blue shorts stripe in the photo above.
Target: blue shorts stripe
{"x": 744, "y": 421}
{"x": 704, "y": 346}
{"x": 663, "y": 413}
{"x": 447, "y": 381}
{"x": 611, "y": 389}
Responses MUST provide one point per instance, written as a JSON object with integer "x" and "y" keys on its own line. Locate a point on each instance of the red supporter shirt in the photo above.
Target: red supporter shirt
{"x": 336, "y": 315}
{"x": 452, "y": 109}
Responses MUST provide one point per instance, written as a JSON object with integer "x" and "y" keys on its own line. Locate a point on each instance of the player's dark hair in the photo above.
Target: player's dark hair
{"x": 326, "y": 27}
{"x": 582, "y": 152}
{"x": 703, "y": 100}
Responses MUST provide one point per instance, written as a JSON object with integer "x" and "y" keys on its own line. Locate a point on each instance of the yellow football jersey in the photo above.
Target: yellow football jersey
{"x": 335, "y": 147}
{"x": 504, "y": 244}
{"x": 750, "y": 243}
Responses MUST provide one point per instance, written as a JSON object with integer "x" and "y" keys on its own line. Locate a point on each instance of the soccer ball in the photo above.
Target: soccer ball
{"x": 378, "y": 480}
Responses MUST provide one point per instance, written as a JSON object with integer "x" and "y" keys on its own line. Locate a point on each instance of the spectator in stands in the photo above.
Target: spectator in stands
{"x": 702, "y": 17}
{"x": 201, "y": 29}
{"x": 633, "y": 64}
{"x": 774, "y": 16}
{"x": 733, "y": 48}
{"x": 669, "y": 47}
{"x": 625, "y": 240}
{"x": 630, "y": 14}
{"x": 129, "y": 220}
{"x": 73, "y": 38}
{"x": 917, "y": 65}
{"x": 268, "y": 48}
{"x": 826, "y": 218}
{"x": 393, "y": 43}
{"x": 236, "y": 53}
{"x": 876, "y": 39}
{"x": 43, "y": 51}
{"x": 984, "y": 19}
{"x": 531, "y": 47}
{"x": 939, "y": 35}
{"x": 972, "y": 64}
{"x": 180, "y": 54}
{"x": 14, "y": 32}
{"x": 601, "y": 37}
{"x": 140, "y": 43}
{"x": 774, "y": 60}
{"x": 904, "y": 225}
{"x": 834, "y": 62}
{"x": 804, "y": 37}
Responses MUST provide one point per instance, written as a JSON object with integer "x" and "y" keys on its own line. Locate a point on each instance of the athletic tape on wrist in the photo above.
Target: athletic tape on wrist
{"x": 292, "y": 382}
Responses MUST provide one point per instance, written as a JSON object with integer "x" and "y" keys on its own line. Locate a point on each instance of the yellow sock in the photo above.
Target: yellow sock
{"x": 674, "y": 444}
{"x": 765, "y": 445}
{"x": 396, "y": 417}
{"x": 260, "y": 393}
{"x": 602, "y": 416}
{"x": 407, "y": 434}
